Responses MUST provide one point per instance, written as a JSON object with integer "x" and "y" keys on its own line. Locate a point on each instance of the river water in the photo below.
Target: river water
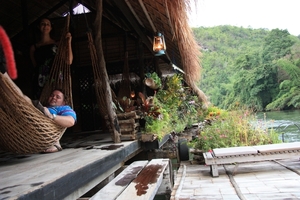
{"x": 287, "y": 123}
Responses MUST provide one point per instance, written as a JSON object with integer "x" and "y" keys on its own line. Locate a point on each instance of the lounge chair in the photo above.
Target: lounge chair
{"x": 221, "y": 156}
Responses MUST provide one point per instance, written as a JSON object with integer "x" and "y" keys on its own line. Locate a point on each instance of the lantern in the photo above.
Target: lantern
{"x": 159, "y": 45}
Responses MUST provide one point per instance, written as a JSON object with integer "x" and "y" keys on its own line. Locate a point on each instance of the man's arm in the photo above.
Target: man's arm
{"x": 64, "y": 121}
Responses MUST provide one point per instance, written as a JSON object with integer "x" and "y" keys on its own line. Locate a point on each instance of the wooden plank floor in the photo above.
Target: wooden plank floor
{"x": 68, "y": 174}
{"x": 264, "y": 180}
{"x": 115, "y": 187}
{"x": 147, "y": 183}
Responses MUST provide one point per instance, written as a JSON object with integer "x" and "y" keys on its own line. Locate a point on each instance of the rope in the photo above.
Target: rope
{"x": 100, "y": 95}
{"x": 86, "y": 21}
{"x": 60, "y": 73}
{"x": 99, "y": 90}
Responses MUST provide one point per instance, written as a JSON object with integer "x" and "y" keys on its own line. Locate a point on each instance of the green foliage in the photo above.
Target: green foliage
{"x": 277, "y": 44}
{"x": 125, "y": 104}
{"x": 178, "y": 108}
{"x": 289, "y": 88}
{"x": 160, "y": 125}
{"x": 232, "y": 129}
{"x": 181, "y": 104}
{"x": 240, "y": 65}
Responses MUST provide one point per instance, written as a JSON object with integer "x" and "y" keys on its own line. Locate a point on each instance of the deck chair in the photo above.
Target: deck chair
{"x": 237, "y": 155}
{"x": 23, "y": 128}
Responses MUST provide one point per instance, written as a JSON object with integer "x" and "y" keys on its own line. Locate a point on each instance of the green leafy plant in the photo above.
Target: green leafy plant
{"x": 126, "y": 104}
{"x": 148, "y": 108}
{"x": 173, "y": 107}
{"x": 156, "y": 118}
{"x": 181, "y": 104}
{"x": 232, "y": 129}
{"x": 159, "y": 126}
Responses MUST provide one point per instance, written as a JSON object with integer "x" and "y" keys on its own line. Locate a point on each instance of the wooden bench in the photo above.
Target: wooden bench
{"x": 221, "y": 156}
{"x": 140, "y": 180}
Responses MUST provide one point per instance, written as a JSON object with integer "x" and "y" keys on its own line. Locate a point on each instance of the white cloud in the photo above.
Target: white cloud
{"x": 270, "y": 14}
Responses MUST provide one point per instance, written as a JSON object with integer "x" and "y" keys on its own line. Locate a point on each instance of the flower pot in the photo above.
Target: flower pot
{"x": 150, "y": 83}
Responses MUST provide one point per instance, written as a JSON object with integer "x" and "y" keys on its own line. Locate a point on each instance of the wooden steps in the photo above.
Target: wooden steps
{"x": 140, "y": 180}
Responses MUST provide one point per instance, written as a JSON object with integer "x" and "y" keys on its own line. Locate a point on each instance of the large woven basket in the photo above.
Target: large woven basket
{"x": 23, "y": 128}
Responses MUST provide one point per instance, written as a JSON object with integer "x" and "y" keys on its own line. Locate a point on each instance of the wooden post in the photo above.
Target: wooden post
{"x": 141, "y": 64}
{"x": 114, "y": 123}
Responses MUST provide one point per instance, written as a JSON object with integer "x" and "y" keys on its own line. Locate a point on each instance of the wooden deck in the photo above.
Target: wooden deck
{"x": 68, "y": 174}
{"x": 141, "y": 180}
{"x": 263, "y": 180}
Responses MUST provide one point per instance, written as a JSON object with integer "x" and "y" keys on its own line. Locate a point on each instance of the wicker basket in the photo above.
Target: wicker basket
{"x": 23, "y": 128}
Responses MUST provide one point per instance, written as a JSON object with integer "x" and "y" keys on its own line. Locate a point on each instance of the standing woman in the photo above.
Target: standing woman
{"x": 42, "y": 56}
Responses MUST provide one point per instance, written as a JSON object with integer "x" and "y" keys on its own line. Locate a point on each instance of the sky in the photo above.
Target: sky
{"x": 270, "y": 14}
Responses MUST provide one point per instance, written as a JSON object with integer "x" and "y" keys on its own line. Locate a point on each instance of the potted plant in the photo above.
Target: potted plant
{"x": 172, "y": 108}
{"x": 152, "y": 80}
{"x": 156, "y": 118}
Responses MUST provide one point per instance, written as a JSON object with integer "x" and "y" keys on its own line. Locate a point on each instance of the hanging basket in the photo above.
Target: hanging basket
{"x": 150, "y": 83}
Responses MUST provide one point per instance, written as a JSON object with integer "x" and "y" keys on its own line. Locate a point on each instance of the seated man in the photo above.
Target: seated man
{"x": 59, "y": 112}
{"x": 56, "y": 109}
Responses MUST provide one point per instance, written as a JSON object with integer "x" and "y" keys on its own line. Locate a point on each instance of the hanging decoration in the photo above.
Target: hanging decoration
{"x": 159, "y": 44}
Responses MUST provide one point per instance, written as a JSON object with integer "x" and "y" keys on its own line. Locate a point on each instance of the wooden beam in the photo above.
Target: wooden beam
{"x": 147, "y": 16}
{"x": 25, "y": 17}
{"x": 105, "y": 87}
{"x": 133, "y": 22}
{"x": 51, "y": 10}
{"x": 141, "y": 58}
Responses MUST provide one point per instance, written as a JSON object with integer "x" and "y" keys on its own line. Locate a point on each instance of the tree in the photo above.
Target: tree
{"x": 240, "y": 65}
{"x": 289, "y": 88}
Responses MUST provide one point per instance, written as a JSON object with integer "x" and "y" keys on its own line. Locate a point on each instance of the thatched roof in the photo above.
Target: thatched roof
{"x": 140, "y": 18}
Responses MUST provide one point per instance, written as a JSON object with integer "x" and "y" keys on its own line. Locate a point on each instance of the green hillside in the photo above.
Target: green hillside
{"x": 256, "y": 68}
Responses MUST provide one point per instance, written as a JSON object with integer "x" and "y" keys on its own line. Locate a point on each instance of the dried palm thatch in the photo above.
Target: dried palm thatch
{"x": 188, "y": 48}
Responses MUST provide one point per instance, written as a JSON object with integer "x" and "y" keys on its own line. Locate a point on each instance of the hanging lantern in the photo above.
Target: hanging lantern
{"x": 159, "y": 45}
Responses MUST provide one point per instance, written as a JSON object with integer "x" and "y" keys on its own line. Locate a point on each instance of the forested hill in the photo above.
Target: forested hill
{"x": 256, "y": 68}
